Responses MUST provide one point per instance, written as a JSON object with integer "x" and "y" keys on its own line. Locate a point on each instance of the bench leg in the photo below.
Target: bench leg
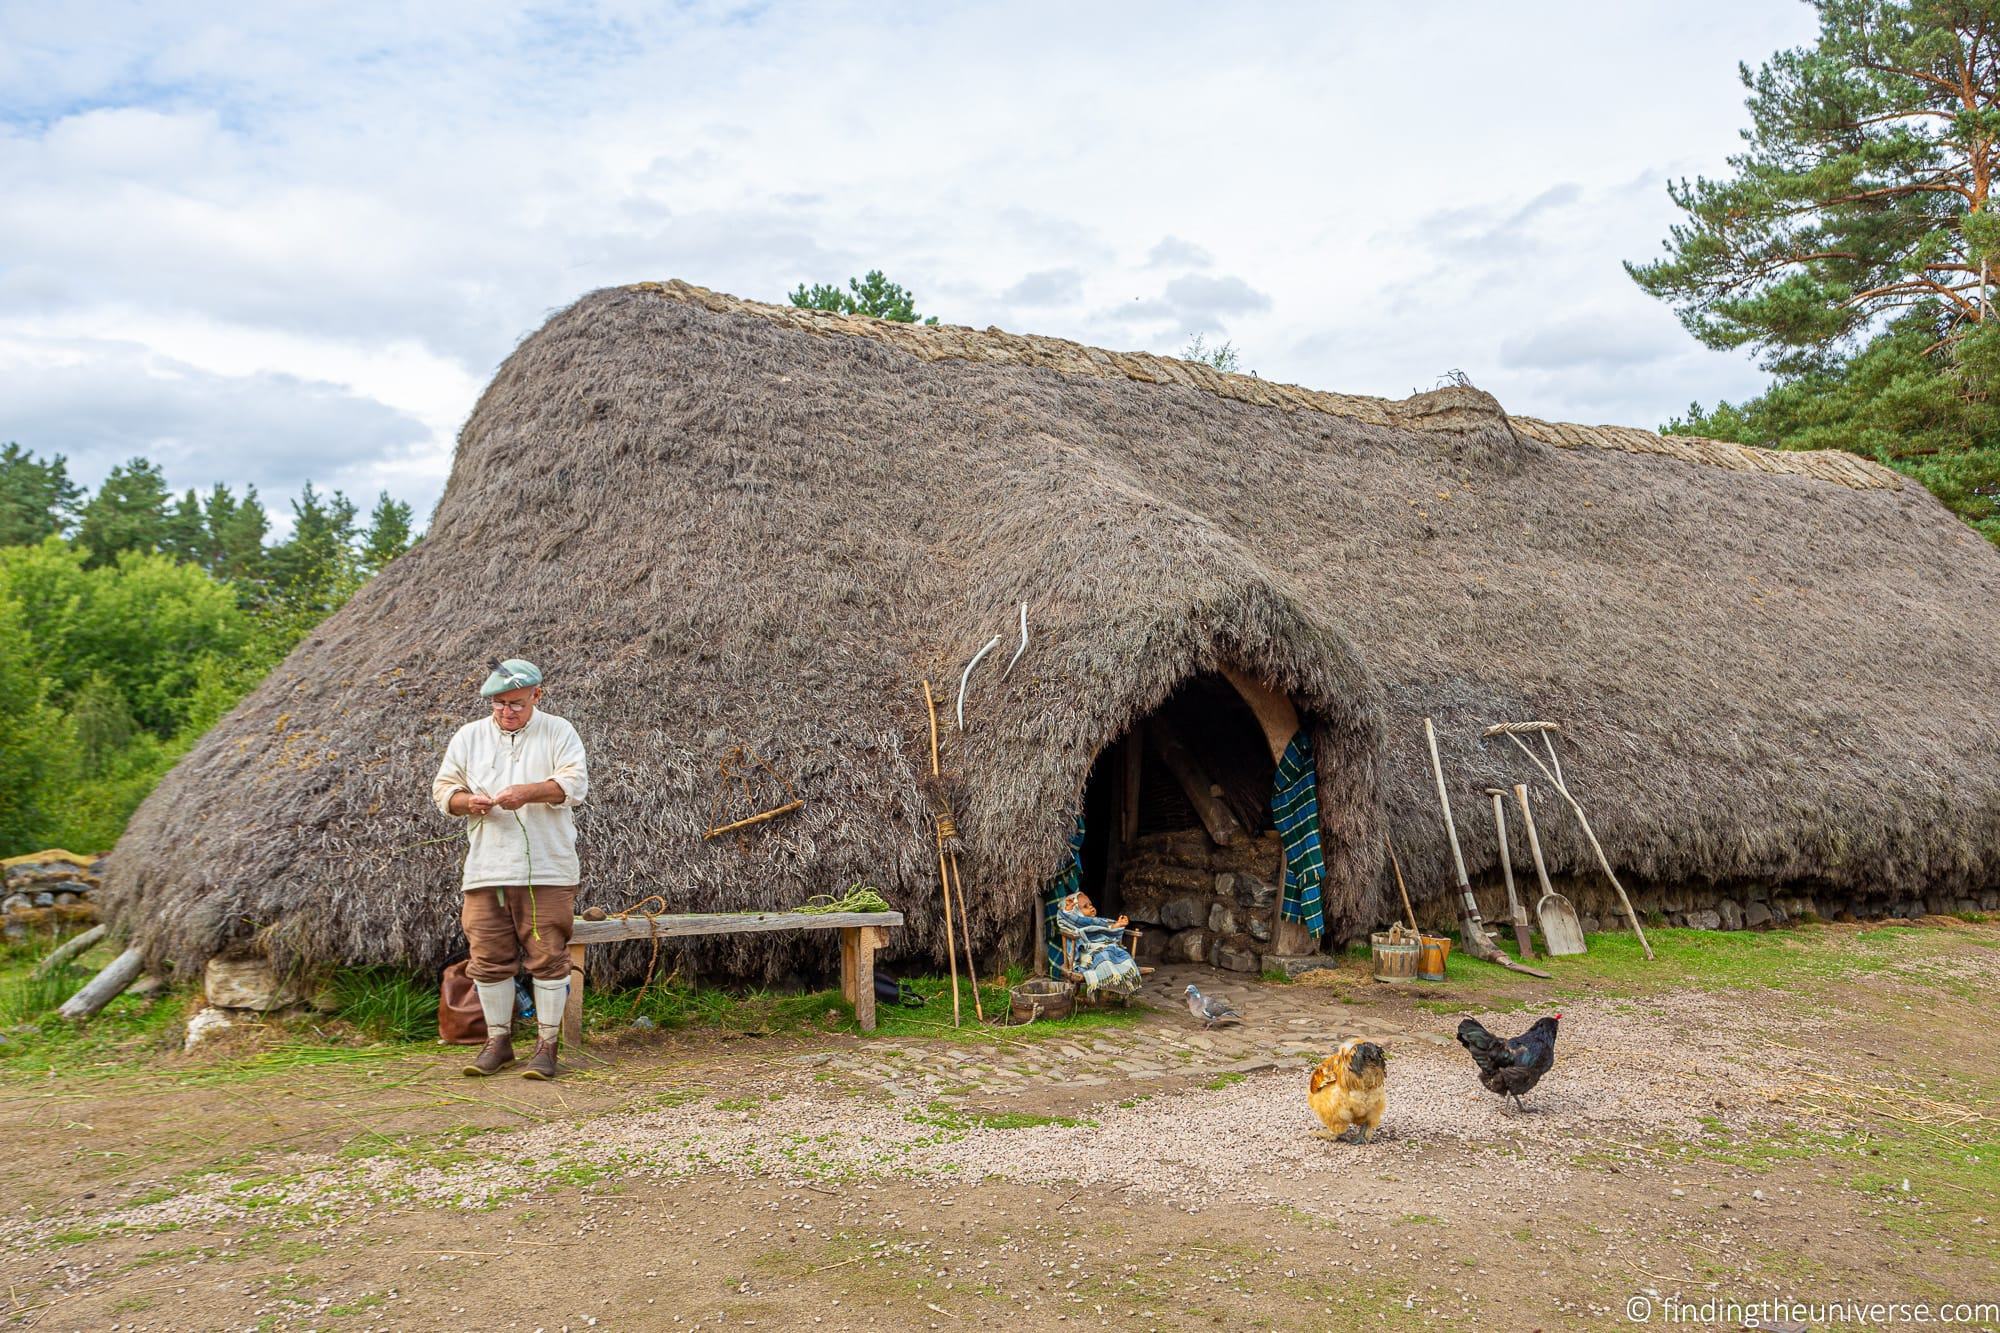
{"x": 864, "y": 975}
{"x": 572, "y": 1024}
{"x": 850, "y": 950}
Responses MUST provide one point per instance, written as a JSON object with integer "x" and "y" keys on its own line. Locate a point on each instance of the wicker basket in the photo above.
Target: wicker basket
{"x": 1042, "y": 997}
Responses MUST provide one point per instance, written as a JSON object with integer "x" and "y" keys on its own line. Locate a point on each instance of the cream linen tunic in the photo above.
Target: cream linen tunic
{"x": 484, "y": 760}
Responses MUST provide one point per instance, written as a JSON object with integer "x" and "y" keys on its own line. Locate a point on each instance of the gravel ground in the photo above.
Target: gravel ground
{"x": 1626, "y": 1073}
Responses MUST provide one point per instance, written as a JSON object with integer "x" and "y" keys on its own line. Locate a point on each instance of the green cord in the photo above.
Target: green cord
{"x": 860, "y": 898}
{"x": 528, "y": 847}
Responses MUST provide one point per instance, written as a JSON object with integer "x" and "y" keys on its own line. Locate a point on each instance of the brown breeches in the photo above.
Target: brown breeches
{"x": 501, "y": 939}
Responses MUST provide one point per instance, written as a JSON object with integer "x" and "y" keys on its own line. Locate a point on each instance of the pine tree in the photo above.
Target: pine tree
{"x": 871, "y": 295}
{"x": 37, "y": 499}
{"x": 187, "y": 531}
{"x": 388, "y": 534}
{"x": 1853, "y": 247}
{"x": 236, "y": 531}
{"x": 128, "y": 513}
{"x": 315, "y": 570}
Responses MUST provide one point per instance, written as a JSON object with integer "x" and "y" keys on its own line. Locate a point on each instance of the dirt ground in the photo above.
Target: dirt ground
{"x": 1825, "y": 1129}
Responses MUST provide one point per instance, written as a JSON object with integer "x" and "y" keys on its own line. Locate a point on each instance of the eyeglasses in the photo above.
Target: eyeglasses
{"x": 501, "y": 706}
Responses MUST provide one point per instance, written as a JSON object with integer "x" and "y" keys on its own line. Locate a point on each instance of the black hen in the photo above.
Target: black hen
{"x": 1511, "y": 1066}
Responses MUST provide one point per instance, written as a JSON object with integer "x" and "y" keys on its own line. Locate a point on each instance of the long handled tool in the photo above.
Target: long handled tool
{"x": 1395, "y": 865}
{"x": 939, "y": 821}
{"x": 1561, "y": 931}
{"x": 1513, "y": 731}
{"x": 965, "y": 937}
{"x": 1514, "y": 908}
{"x": 1471, "y": 928}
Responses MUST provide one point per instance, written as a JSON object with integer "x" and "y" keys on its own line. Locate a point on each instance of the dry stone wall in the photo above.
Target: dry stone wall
{"x": 1195, "y": 902}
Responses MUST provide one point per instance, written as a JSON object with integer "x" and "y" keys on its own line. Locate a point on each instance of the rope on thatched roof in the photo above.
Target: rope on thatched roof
{"x": 952, "y": 342}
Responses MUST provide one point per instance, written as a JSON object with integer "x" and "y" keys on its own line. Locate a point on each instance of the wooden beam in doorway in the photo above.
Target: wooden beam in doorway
{"x": 1131, "y": 760}
{"x": 1202, "y": 794}
{"x": 1276, "y": 717}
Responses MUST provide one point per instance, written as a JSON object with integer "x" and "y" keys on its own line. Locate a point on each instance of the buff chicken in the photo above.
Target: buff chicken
{"x": 1346, "y": 1090}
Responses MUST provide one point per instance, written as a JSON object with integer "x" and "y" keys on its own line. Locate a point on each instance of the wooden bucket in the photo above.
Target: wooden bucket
{"x": 1395, "y": 953}
{"x": 1041, "y": 997}
{"x": 1431, "y": 955}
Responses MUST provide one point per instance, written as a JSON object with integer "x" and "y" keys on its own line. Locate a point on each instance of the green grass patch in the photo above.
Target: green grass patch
{"x": 944, "y": 1116}
{"x": 770, "y": 1012}
{"x": 38, "y": 1043}
{"x": 1950, "y": 1177}
{"x": 1221, "y": 1081}
{"x": 386, "y": 1004}
{"x": 1800, "y": 959}
{"x": 1028, "y": 1120}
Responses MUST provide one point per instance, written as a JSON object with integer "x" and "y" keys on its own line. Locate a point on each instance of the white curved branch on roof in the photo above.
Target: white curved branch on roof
{"x": 1024, "y": 644}
{"x": 991, "y": 644}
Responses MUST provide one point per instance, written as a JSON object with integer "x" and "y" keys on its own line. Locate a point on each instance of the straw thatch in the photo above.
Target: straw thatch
{"x": 716, "y": 524}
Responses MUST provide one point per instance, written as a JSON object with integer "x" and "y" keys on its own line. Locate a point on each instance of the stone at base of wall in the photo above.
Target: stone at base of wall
{"x": 1736, "y": 907}
{"x": 1295, "y": 965}
{"x": 1235, "y": 957}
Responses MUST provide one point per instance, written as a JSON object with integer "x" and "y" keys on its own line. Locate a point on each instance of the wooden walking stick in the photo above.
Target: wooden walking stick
{"x": 1514, "y": 908}
{"x": 939, "y": 820}
{"x": 965, "y": 934}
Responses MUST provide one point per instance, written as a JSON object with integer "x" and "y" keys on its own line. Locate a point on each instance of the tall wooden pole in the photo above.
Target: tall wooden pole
{"x": 944, "y": 876}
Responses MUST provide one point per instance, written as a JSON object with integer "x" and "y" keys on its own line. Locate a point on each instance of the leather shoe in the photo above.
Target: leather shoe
{"x": 494, "y": 1056}
{"x": 541, "y": 1065}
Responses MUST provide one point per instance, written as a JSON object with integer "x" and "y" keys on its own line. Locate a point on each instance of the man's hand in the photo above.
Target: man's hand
{"x": 525, "y": 793}
{"x": 465, "y": 802}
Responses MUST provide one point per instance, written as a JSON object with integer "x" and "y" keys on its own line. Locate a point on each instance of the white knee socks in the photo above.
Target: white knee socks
{"x": 496, "y": 1001}
{"x": 550, "y": 997}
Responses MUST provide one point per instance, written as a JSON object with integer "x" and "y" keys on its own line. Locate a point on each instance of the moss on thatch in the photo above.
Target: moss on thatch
{"x": 717, "y": 524}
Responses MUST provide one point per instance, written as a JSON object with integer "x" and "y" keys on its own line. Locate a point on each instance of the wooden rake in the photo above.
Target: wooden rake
{"x": 1552, "y": 770}
{"x": 1471, "y": 929}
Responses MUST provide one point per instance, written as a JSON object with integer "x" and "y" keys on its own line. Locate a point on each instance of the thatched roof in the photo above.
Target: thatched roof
{"x": 715, "y": 523}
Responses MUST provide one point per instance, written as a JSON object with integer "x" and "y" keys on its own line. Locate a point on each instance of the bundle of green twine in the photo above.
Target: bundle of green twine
{"x": 860, "y": 898}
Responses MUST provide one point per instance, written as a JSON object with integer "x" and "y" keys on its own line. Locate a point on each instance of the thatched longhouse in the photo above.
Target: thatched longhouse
{"x": 720, "y": 524}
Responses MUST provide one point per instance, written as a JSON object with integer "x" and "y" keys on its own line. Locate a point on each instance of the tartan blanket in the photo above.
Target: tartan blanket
{"x": 1101, "y": 957}
{"x": 1067, "y": 880}
{"x": 1295, "y": 808}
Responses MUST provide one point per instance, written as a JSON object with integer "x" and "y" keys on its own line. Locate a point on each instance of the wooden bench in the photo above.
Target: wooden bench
{"x": 861, "y": 934}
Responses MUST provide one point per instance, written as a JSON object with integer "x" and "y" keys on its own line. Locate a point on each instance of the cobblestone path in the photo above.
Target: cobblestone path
{"x": 1285, "y": 1026}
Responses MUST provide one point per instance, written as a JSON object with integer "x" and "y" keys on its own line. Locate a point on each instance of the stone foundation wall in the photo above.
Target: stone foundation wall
{"x": 1705, "y": 906}
{"x": 1195, "y": 902}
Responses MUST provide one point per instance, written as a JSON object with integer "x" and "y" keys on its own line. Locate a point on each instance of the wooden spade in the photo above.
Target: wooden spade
{"x": 1561, "y": 931}
{"x": 1514, "y": 908}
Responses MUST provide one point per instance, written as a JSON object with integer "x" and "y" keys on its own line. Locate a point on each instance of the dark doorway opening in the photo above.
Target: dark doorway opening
{"x": 1201, "y": 761}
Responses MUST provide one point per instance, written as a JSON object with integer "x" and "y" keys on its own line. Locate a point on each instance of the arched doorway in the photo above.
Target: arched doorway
{"x": 1178, "y": 830}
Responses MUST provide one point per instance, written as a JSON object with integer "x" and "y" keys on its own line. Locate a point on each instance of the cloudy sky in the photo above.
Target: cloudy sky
{"x": 285, "y": 242}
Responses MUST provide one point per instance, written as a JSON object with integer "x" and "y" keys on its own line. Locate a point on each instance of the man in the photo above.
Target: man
{"x": 516, "y": 776}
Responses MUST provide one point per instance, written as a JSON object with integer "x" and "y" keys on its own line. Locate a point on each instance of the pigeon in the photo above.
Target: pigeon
{"x": 1211, "y": 1009}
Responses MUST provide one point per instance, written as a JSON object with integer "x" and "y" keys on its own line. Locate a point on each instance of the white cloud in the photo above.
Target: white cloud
{"x": 1173, "y": 252}
{"x": 107, "y": 402}
{"x": 1045, "y": 287}
{"x": 302, "y": 225}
